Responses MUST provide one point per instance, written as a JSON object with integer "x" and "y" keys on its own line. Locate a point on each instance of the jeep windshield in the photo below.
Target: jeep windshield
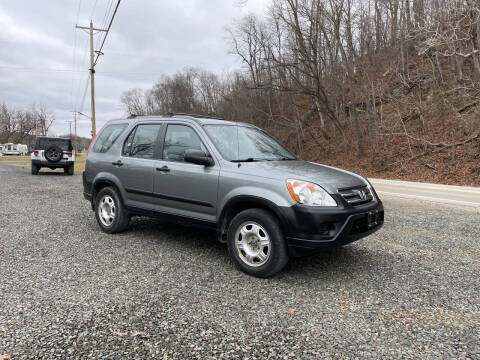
{"x": 239, "y": 143}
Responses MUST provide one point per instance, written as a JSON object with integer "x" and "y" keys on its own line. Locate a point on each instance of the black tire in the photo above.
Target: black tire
{"x": 278, "y": 254}
{"x": 53, "y": 154}
{"x": 35, "y": 169}
{"x": 121, "y": 218}
{"x": 69, "y": 169}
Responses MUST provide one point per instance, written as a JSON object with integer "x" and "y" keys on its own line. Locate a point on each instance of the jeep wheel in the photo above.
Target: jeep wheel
{"x": 109, "y": 211}
{"x": 256, "y": 243}
{"x": 35, "y": 169}
{"x": 68, "y": 170}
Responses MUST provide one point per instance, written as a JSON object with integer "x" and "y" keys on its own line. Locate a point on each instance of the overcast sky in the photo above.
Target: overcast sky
{"x": 147, "y": 39}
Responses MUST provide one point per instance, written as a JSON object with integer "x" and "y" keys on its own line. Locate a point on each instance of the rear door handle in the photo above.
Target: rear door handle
{"x": 118, "y": 163}
{"x": 163, "y": 169}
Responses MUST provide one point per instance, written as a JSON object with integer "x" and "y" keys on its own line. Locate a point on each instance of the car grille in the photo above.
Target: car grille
{"x": 356, "y": 195}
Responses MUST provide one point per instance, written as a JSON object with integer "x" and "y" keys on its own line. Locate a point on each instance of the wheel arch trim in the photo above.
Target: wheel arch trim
{"x": 108, "y": 179}
{"x": 225, "y": 216}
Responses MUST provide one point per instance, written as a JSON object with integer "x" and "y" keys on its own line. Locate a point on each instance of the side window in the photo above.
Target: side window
{"x": 107, "y": 137}
{"x": 178, "y": 139}
{"x": 127, "y": 145}
{"x": 141, "y": 142}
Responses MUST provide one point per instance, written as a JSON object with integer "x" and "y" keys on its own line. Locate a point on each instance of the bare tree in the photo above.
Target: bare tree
{"x": 18, "y": 124}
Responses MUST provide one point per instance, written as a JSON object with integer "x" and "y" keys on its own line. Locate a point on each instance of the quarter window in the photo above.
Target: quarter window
{"x": 107, "y": 137}
{"x": 127, "y": 145}
{"x": 141, "y": 142}
{"x": 178, "y": 139}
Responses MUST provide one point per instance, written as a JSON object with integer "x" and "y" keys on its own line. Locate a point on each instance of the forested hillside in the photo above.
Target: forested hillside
{"x": 387, "y": 88}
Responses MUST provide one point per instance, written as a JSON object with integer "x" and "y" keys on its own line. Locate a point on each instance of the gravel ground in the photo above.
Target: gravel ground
{"x": 158, "y": 290}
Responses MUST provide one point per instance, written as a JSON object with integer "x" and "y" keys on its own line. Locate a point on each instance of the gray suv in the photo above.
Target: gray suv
{"x": 261, "y": 200}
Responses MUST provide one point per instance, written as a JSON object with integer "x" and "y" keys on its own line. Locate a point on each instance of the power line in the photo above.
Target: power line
{"x": 93, "y": 62}
{"x": 107, "y": 13}
{"x": 106, "y": 34}
{"x": 84, "y": 94}
{"x": 82, "y": 64}
{"x": 74, "y": 57}
{"x": 93, "y": 10}
{"x": 108, "y": 9}
{"x": 25, "y": 69}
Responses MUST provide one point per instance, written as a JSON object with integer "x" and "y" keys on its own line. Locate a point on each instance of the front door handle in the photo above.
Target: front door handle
{"x": 118, "y": 163}
{"x": 164, "y": 169}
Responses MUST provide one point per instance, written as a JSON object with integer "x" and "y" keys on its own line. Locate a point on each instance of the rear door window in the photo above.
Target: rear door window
{"x": 142, "y": 141}
{"x": 107, "y": 137}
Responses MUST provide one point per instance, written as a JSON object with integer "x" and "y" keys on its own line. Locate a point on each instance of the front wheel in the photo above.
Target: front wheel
{"x": 256, "y": 243}
{"x": 109, "y": 211}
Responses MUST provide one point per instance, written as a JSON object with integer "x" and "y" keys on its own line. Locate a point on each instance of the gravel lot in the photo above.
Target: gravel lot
{"x": 158, "y": 290}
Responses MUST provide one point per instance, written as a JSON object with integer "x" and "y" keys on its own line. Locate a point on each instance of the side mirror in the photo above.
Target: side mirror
{"x": 198, "y": 157}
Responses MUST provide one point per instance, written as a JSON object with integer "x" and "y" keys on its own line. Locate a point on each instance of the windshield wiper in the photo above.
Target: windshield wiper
{"x": 250, "y": 159}
{"x": 281, "y": 159}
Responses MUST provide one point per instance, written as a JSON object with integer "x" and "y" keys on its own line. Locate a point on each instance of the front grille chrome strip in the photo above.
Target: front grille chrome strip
{"x": 356, "y": 195}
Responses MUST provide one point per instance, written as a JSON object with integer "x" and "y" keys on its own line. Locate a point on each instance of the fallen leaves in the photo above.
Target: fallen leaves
{"x": 292, "y": 311}
{"x": 4, "y": 329}
{"x": 118, "y": 333}
{"x": 140, "y": 334}
{"x": 4, "y": 357}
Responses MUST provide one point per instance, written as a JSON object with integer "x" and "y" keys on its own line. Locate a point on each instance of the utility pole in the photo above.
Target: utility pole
{"x": 91, "y": 29}
{"x": 75, "y": 119}
{"x": 75, "y": 113}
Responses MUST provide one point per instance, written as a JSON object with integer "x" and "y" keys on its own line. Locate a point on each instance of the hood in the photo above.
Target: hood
{"x": 330, "y": 178}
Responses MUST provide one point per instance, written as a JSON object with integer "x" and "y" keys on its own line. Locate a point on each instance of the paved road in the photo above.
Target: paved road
{"x": 445, "y": 194}
{"x": 163, "y": 291}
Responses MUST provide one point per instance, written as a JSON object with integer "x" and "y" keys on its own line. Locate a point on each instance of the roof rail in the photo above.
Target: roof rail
{"x": 133, "y": 116}
{"x": 171, "y": 114}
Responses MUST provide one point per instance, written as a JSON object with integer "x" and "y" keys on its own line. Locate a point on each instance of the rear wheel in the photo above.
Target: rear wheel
{"x": 35, "y": 169}
{"x": 256, "y": 243}
{"x": 68, "y": 170}
{"x": 109, "y": 211}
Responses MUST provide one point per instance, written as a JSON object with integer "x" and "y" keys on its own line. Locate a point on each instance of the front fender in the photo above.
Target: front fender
{"x": 255, "y": 192}
{"x": 256, "y": 196}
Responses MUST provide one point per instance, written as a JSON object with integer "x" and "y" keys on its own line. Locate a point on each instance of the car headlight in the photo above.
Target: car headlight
{"x": 309, "y": 194}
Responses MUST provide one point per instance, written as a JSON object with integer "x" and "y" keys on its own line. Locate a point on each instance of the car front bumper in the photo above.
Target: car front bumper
{"x": 308, "y": 229}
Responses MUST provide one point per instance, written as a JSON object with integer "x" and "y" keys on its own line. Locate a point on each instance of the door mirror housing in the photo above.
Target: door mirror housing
{"x": 198, "y": 157}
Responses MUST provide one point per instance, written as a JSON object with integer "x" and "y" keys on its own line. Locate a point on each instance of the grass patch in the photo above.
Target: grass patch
{"x": 26, "y": 161}
{"x": 14, "y": 158}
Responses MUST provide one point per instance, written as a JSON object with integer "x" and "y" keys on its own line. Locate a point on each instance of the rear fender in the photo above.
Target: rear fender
{"x": 103, "y": 179}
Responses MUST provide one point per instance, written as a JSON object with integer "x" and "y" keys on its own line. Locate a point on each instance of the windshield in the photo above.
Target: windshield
{"x": 242, "y": 143}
